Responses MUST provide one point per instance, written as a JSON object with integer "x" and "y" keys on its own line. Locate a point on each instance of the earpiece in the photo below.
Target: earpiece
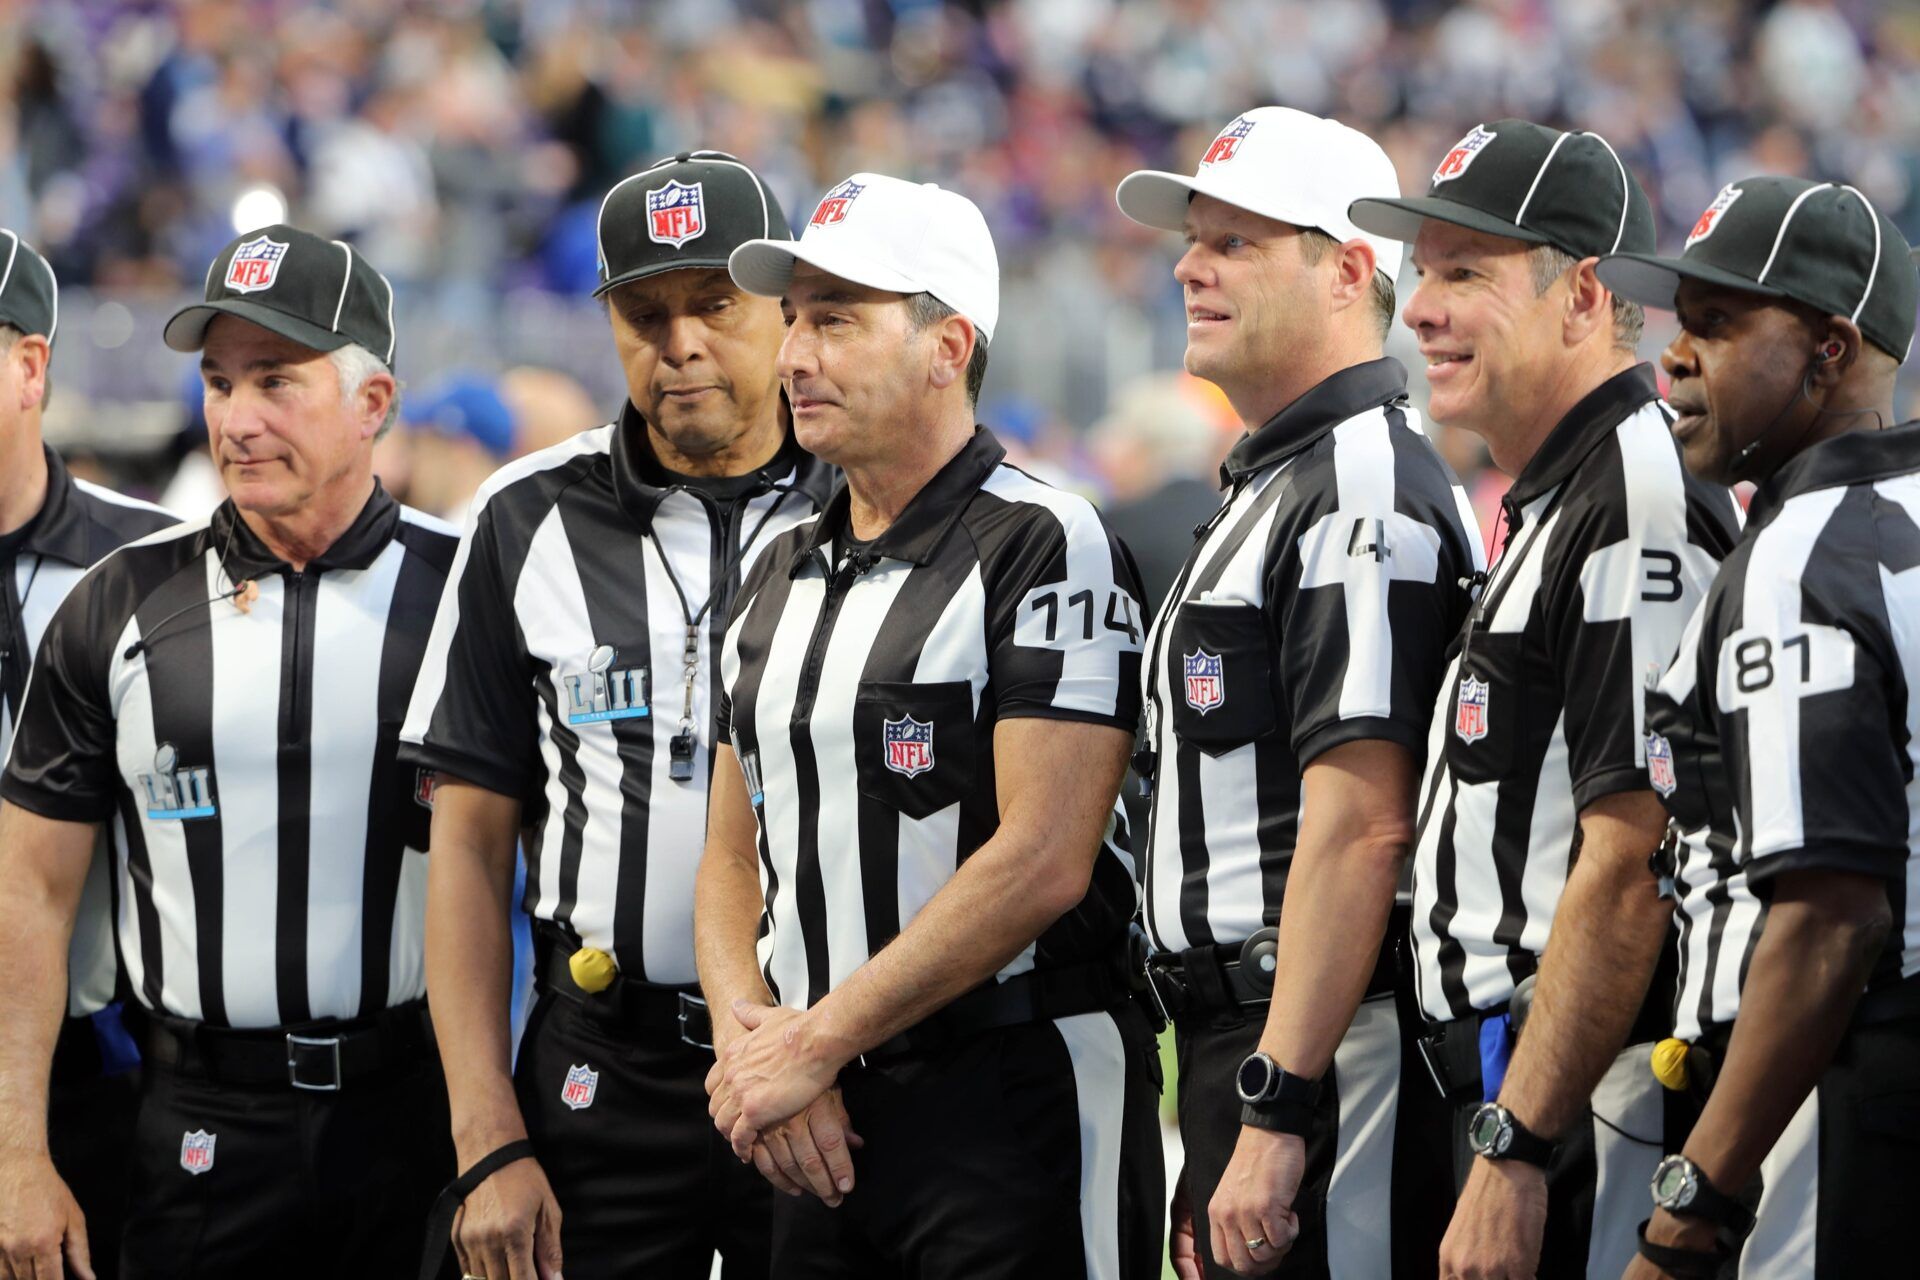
{"x": 1830, "y": 353}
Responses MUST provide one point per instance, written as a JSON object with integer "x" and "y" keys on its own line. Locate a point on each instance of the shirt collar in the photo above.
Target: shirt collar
{"x": 244, "y": 555}
{"x": 61, "y": 530}
{"x": 919, "y": 530}
{"x": 1581, "y": 430}
{"x": 1324, "y": 406}
{"x": 642, "y": 483}
{"x": 1854, "y": 457}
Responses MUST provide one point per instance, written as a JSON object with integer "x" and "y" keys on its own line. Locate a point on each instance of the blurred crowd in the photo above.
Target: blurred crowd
{"x": 465, "y": 144}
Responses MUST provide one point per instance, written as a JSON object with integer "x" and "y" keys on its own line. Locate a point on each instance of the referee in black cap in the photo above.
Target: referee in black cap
{"x": 52, "y": 527}
{"x": 1530, "y": 866}
{"x": 226, "y": 696}
{"x": 1783, "y": 740}
{"x": 569, "y": 693}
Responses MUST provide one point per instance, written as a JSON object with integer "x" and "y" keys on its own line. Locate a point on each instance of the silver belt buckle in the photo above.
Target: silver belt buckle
{"x": 688, "y": 1002}
{"x": 295, "y": 1044}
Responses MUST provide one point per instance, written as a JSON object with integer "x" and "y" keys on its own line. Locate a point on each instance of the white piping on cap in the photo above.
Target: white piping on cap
{"x": 341, "y": 305}
{"x": 53, "y": 325}
{"x": 1519, "y": 218}
{"x": 12, "y": 253}
{"x": 1873, "y": 274}
{"x": 1626, "y": 191}
{"x": 1781, "y": 234}
{"x": 391, "y": 336}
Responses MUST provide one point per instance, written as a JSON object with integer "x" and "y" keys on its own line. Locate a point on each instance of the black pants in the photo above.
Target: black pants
{"x": 290, "y": 1183}
{"x": 90, "y": 1119}
{"x": 1366, "y": 1200}
{"x": 647, "y": 1187}
{"x": 1028, "y": 1151}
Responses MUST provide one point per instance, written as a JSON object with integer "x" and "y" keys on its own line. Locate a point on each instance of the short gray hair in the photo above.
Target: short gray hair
{"x": 1315, "y": 244}
{"x": 355, "y": 364}
{"x": 1549, "y": 263}
{"x": 10, "y": 334}
{"x": 923, "y": 309}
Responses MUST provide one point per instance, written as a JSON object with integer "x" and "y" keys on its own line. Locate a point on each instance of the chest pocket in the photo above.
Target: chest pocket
{"x": 1487, "y": 722}
{"x": 1221, "y": 675}
{"x": 913, "y": 744}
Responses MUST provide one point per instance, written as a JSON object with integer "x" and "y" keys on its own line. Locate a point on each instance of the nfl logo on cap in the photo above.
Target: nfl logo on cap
{"x": 1710, "y": 217}
{"x": 1463, "y": 154}
{"x": 1228, "y": 142}
{"x": 834, "y": 205}
{"x": 1470, "y": 717}
{"x": 676, "y": 213}
{"x": 196, "y": 1151}
{"x": 1206, "y": 681}
{"x": 255, "y": 265}
{"x": 909, "y": 745}
{"x": 1660, "y": 765}
{"x": 582, "y": 1082}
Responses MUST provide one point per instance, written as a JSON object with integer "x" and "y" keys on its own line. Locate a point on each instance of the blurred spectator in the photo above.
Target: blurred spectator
{"x": 460, "y": 430}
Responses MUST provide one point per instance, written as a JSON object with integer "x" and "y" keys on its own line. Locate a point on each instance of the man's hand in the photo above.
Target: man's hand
{"x": 509, "y": 1228}
{"x": 1182, "y": 1249}
{"x": 39, "y": 1222}
{"x": 1675, "y": 1233}
{"x": 771, "y": 1073}
{"x": 1498, "y": 1224}
{"x": 1254, "y": 1201}
{"x": 813, "y": 1151}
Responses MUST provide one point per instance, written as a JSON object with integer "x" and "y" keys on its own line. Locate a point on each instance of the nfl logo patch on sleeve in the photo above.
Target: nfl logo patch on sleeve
{"x": 1660, "y": 765}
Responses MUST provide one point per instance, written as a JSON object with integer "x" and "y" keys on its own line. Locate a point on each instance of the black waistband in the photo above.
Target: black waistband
{"x": 626, "y": 1004}
{"x": 1035, "y": 996}
{"x": 321, "y": 1057}
{"x": 1215, "y": 978}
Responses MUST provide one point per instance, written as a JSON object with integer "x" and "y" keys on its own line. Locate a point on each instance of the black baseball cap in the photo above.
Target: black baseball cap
{"x": 1527, "y": 182}
{"x": 29, "y": 294}
{"x": 317, "y": 292}
{"x": 689, "y": 210}
{"x": 1822, "y": 244}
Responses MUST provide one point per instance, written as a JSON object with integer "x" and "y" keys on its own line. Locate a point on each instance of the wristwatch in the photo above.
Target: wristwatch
{"x": 1272, "y": 1098}
{"x": 1682, "y": 1189}
{"x": 1496, "y": 1135}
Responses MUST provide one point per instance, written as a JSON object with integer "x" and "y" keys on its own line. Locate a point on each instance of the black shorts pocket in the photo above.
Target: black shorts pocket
{"x": 913, "y": 744}
{"x": 1487, "y": 725}
{"x": 1220, "y": 675}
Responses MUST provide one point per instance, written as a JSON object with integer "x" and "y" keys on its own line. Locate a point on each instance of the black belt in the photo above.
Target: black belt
{"x": 1214, "y": 978}
{"x": 1038, "y": 995}
{"x": 321, "y": 1057}
{"x": 626, "y": 1002}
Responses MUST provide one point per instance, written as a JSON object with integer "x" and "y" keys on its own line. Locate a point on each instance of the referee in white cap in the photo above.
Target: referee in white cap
{"x": 1289, "y": 681}
{"x": 913, "y": 908}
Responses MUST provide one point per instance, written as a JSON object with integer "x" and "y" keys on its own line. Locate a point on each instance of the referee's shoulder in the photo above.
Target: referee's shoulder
{"x": 1015, "y": 503}
{"x": 117, "y": 518}
{"x": 527, "y": 480}
{"x": 125, "y": 576}
{"x": 429, "y": 537}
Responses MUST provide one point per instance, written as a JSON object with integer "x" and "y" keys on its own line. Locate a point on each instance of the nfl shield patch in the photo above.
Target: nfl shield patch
{"x": 1464, "y": 152}
{"x": 1206, "y": 680}
{"x": 676, "y": 213}
{"x": 255, "y": 265}
{"x": 1660, "y": 765}
{"x": 424, "y": 782}
{"x": 1709, "y": 220}
{"x": 1470, "y": 717}
{"x": 582, "y": 1082}
{"x": 196, "y": 1151}
{"x": 1228, "y": 143}
{"x": 833, "y": 206}
{"x": 909, "y": 745}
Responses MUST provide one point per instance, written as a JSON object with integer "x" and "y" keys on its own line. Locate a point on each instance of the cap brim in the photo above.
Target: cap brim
{"x": 658, "y": 268}
{"x": 1400, "y": 219}
{"x": 766, "y": 267}
{"x": 187, "y": 329}
{"x": 1652, "y": 281}
{"x": 1153, "y": 198}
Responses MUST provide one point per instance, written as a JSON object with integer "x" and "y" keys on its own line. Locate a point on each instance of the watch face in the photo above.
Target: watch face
{"x": 1256, "y": 1077}
{"x": 1490, "y": 1134}
{"x": 1673, "y": 1184}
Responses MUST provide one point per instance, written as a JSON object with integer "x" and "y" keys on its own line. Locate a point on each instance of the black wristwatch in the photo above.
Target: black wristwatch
{"x": 1682, "y": 1190}
{"x": 1272, "y": 1098}
{"x": 1494, "y": 1134}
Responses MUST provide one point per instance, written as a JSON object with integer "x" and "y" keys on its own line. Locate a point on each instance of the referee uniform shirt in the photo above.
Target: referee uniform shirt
{"x": 269, "y": 867}
{"x": 1314, "y": 610}
{"x": 863, "y": 685}
{"x": 1785, "y": 734}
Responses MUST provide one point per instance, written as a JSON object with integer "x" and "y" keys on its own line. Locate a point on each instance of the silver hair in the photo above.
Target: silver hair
{"x": 355, "y": 364}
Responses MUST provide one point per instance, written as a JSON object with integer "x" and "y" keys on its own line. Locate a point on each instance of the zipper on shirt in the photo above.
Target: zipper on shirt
{"x": 298, "y": 683}
{"x": 839, "y": 581}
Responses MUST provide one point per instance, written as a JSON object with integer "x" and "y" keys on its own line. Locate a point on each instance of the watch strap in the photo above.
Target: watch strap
{"x": 1683, "y": 1264}
{"x": 1716, "y": 1206}
{"x": 1280, "y": 1116}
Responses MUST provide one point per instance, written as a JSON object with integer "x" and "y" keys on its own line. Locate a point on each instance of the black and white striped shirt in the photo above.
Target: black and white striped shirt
{"x": 78, "y": 524}
{"x": 863, "y": 691}
{"x": 1609, "y": 546}
{"x": 268, "y": 865}
{"x": 1786, "y": 734}
{"x": 1315, "y": 609}
{"x": 557, "y": 672}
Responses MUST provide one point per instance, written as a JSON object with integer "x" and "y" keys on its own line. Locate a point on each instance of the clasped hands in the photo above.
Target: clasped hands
{"x": 773, "y": 1094}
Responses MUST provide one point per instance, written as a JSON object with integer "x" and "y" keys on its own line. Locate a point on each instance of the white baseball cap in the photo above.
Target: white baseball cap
{"x": 1281, "y": 164}
{"x": 886, "y": 233}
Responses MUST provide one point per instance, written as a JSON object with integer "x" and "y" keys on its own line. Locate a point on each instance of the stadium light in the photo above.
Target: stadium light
{"x": 259, "y": 206}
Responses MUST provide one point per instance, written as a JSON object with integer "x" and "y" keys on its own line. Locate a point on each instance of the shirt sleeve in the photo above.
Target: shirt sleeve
{"x": 62, "y": 764}
{"x": 1364, "y": 598}
{"x": 473, "y": 714}
{"x": 1064, "y": 620}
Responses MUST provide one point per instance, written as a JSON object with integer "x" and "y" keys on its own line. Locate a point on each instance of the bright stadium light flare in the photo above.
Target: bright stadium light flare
{"x": 259, "y": 206}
